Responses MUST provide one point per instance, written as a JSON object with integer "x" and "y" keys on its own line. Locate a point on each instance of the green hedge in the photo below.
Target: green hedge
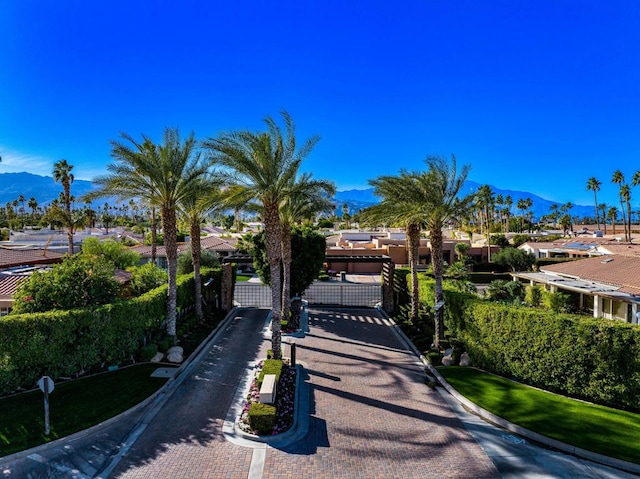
{"x": 262, "y": 417}
{"x": 270, "y": 366}
{"x": 65, "y": 343}
{"x": 593, "y": 359}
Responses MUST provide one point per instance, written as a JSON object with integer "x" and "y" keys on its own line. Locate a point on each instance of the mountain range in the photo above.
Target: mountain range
{"x": 44, "y": 189}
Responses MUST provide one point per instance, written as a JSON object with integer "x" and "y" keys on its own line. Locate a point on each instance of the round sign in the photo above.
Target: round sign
{"x": 49, "y": 382}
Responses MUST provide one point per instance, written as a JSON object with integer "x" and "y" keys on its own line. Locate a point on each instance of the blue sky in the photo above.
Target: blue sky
{"x": 536, "y": 96}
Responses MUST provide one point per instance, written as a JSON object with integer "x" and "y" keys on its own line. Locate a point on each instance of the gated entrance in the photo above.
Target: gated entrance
{"x": 340, "y": 293}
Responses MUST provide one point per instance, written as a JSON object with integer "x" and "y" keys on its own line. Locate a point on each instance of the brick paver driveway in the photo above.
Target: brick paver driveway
{"x": 372, "y": 416}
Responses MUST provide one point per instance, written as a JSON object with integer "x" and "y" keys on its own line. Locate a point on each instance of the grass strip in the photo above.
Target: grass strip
{"x": 600, "y": 429}
{"x": 73, "y": 406}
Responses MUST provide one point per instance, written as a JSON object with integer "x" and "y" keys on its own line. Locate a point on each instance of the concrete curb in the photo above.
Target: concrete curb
{"x": 498, "y": 421}
{"x": 297, "y": 430}
{"x": 154, "y": 397}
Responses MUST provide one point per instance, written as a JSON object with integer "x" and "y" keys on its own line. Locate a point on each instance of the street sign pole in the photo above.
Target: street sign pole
{"x": 46, "y": 385}
{"x": 47, "y": 429}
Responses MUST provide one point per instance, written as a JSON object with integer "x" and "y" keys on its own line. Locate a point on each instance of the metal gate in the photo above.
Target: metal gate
{"x": 256, "y": 295}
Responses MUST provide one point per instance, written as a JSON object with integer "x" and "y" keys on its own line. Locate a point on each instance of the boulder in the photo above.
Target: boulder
{"x": 175, "y": 356}
{"x": 447, "y": 360}
{"x": 175, "y": 349}
{"x": 464, "y": 359}
{"x": 157, "y": 358}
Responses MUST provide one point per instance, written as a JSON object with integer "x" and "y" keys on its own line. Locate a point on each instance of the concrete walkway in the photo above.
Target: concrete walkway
{"x": 371, "y": 415}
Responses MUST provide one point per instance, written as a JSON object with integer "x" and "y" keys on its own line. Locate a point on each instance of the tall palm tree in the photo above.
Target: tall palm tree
{"x": 33, "y": 204}
{"x": 485, "y": 200}
{"x": 603, "y": 214}
{"x": 508, "y": 203}
{"x": 307, "y": 198}
{"x": 161, "y": 175}
{"x": 612, "y": 214}
{"x": 402, "y": 202}
{"x": 625, "y": 194}
{"x": 441, "y": 184}
{"x": 262, "y": 166}
{"x": 62, "y": 174}
{"x": 200, "y": 200}
{"x": 594, "y": 185}
{"x": 618, "y": 178}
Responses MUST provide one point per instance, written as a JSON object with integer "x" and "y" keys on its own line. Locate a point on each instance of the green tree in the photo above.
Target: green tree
{"x": 146, "y": 277}
{"x": 208, "y": 259}
{"x": 516, "y": 259}
{"x": 113, "y": 251}
{"x": 262, "y": 167}
{"x": 78, "y": 281}
{"x": 594, "y": 185}
{"x": 505, "y": 291}
{"x": 307, "y": 198}
{"x": 160, "y": 175}
{"x": 195, "y": 204}
{"x": 62, "y": 174}
{"x": 308, "y": 249}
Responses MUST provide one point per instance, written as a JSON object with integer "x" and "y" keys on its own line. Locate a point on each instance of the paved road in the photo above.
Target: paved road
{"x": 371, "y": 415}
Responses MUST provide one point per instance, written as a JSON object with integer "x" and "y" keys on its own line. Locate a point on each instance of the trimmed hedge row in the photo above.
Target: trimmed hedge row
{"x": 589, "y": 358}
{"x": 65, "y": 343}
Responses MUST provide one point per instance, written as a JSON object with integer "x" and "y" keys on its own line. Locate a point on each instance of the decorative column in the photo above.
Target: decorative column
{"x": 388, "y": 270}
{"x": 226, "y": 302}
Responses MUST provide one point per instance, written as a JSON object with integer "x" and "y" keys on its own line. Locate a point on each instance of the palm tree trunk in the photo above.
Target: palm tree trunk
{"x": 194, "y": 231}
{"x": 273, "y": 237}
{"x": 286, "y": 273}
{"x": 171, "y": 247}
{"x": 413, "y": 243}
{"x": 436, "y": 263}
{"x": 154, "y": 228}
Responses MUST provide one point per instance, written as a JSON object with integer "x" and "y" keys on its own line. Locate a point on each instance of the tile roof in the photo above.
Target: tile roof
{"x": 616, "y": 270}
{"x": 214, "y": 243}
{"x": 624, "y": 249}
{"x": 10, "y": 257}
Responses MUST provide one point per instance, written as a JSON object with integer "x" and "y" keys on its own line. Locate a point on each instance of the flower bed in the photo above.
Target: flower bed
{"x": 285, "y": 401}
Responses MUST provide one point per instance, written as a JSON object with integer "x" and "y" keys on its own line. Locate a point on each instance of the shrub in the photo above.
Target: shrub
{"x": 262, "y": 417}
{"x": 270, "y": 366}
{"x": 533, "y": 295}
{"x": 148, "y": 352}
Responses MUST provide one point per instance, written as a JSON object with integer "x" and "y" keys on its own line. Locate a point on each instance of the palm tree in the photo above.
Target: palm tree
{"x": 161, "y": 175}
{"x": 508, "y": 203}
{"x": 62, "y": 174}
{"x": 33, "y": 204}
{"x": 402, "y": 203}
{"x": 603, "y": 214}
{"x": 612, "y": 214}
{"x": 618, "y": 178}
{"x": 594, "y": 185}
{"x": 307, "y": 198}
{"x": 625, "y": 195}
{"x": 442, "y": 184}
{"x": 201, "y": 199}
{"x": 262, "y": 166}
{"x": 485, "y": 200}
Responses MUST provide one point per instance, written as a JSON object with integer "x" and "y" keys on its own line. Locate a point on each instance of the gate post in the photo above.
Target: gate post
{"x": 388, "y": 270}
{"x": 227, "y": 287}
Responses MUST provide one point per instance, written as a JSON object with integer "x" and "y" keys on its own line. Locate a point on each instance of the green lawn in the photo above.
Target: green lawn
{"x": 74, "y": 406}
{"x": 600, "y": 429}
{"x": 242, "y": 277}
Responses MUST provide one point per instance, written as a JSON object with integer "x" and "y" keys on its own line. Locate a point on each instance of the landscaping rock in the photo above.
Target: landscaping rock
{"x": 465, "y": 360}
{"x": 175, "y": 354}
{"x": 157, "y": 358}
{"x": 448, "y": 360}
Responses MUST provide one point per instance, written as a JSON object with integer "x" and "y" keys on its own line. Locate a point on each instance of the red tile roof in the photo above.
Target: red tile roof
{"x": 213, "y": 243}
